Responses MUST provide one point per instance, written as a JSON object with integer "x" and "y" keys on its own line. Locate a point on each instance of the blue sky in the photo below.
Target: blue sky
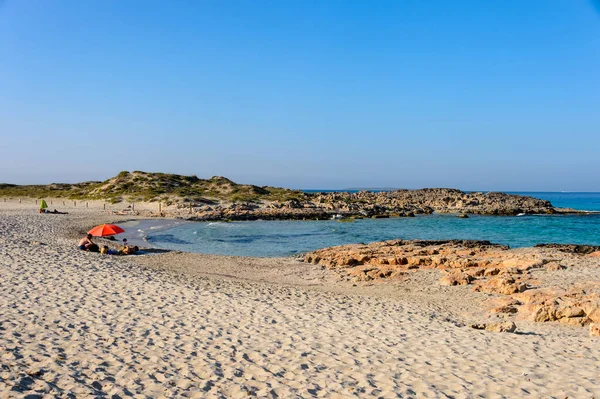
{"x": 331, "y": 94}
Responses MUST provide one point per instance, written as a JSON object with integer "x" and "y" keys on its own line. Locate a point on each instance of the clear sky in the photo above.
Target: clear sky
{"x": 482, "y": 95}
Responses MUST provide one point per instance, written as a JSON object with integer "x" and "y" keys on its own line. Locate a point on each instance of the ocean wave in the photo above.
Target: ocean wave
{"x": 217, "y": 224}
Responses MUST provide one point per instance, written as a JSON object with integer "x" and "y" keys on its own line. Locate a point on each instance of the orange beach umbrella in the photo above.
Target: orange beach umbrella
{"x": 105, "y": 230}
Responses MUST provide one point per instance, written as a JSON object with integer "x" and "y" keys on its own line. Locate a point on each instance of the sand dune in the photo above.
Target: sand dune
{"x": 87, "y": 325}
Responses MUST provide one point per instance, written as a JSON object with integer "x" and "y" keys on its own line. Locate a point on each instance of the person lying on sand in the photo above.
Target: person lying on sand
{"x": 54, "y": 212}
{"x": 59, "y": 213}
{"x": 85, "y": 243}
{"x": 127, "y": 250}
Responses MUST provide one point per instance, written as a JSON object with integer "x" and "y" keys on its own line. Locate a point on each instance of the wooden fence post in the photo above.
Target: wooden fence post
{"x": 86, "y": 204}
{"x": 74, "y": 203}
{"x": 104, "y": 206}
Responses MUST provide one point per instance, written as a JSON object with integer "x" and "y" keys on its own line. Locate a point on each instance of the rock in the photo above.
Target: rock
{"x": 501, "y": 285}
{"x": 572, "y": 248}
{"x": 545, "y": 313}
{"x": 554, "y": 266}
{"x": 578, "y": 306}
{"x": 595, "y": 330}
{"x": 593, "y": 313}
{"x": 510, "y": 270}
{"x": 506, "y": 326}
{"x": 574, "y": 321}
{"x": 491, "y": 272}
{"x": 568, "y": 311}
{"x": 505, "y": 309}
{"x": 462, "y": 216}
{"x": 475, "y": 272}
{"x": 456, "y": 278}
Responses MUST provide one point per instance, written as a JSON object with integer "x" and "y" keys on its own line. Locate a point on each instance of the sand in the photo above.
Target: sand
{"x": 77, "y": 324}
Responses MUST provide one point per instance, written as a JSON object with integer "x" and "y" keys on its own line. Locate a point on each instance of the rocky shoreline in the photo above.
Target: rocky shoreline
{"x": 366, "y": 204}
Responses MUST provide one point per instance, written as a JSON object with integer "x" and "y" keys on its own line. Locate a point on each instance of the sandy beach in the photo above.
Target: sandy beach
{"x": 78, "y": 324}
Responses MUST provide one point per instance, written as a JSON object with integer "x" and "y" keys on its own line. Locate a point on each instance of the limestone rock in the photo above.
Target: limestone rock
{"x": 574, "y": 321}
{"x": 505, "y": 285}
{"x": 593, "y": 313}
{"x": 505, "y": 309}
{"x": 578, "y": 306}
{"x": 572, "y": 248}
{"x": 491, "y": 272}
{"x": 554, "y": 266}
{"x": 456, "y": 278}
{"x": 506, "y": 326}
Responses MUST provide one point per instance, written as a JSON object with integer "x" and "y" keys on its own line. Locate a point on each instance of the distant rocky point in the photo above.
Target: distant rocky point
{"x": 219, "y": 198}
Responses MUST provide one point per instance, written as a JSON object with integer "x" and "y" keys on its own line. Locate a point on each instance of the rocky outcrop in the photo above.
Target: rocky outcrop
{"x": 430, "y": 200}
{"x": 366, "y": 204}
{"x": 572, "y": 248}
{"x": 489, "y": 268}
{"x": 464, "y": 261}
{"x": 578, "y": 306}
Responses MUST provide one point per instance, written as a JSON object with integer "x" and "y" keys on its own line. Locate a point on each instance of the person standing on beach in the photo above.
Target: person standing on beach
{"x": 85, "y": 242}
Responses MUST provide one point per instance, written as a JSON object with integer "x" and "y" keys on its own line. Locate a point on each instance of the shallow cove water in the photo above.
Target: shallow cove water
{"x": 285, "y": 238}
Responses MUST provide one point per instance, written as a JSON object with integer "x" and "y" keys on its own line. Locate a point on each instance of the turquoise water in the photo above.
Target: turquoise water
{"x": 581, "y": 201}
{"x": 284, "y": 238}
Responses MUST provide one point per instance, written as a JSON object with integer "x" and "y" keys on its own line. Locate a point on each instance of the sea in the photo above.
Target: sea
{"x": 290, "y": 238}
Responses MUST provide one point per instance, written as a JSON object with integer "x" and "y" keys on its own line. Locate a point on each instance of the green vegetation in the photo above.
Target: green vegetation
{"x": 151, "y": 187}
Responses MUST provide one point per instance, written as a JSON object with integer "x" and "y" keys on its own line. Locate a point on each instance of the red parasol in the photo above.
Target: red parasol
{"x": 105, "y": 230}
